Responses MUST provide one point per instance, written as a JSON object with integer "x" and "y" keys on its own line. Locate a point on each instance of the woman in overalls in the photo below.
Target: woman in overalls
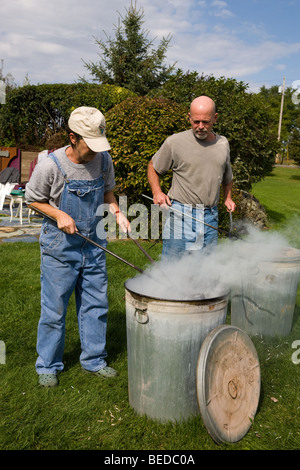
{"x": 70, "y": 186}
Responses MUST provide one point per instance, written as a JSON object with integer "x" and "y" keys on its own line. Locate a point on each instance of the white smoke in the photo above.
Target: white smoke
{"x": 210, "y": 275}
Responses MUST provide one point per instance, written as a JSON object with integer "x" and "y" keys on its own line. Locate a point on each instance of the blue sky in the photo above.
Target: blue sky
{"x": 255, "y": 41}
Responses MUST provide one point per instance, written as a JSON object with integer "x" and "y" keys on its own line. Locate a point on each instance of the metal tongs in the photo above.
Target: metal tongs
{"x": 102, "y": 247}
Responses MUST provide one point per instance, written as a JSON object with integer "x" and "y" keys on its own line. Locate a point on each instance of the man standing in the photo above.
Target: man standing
{"x": 69, "y": 185}
{"x": 200, "y": 161}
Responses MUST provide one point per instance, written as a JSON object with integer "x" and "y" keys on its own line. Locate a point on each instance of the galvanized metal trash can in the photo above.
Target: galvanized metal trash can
{"x": 169, "y": 372}
{"x": 265, "y": 303}
{"x": 163, "y": 343}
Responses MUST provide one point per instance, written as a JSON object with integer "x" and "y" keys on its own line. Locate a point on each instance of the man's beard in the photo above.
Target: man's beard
{"x": 201, "y": 135}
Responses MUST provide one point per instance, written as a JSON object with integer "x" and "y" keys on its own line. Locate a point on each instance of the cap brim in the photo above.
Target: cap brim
{"x": 99, "y": 144}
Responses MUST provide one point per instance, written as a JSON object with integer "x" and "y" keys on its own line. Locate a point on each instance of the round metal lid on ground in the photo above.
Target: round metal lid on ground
{"x": 228, "y": 383}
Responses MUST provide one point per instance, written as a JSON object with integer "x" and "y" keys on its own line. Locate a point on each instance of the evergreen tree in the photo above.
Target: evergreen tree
{"x": 129, "y": 60}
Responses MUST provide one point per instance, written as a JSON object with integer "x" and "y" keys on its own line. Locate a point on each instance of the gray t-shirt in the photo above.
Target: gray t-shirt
{"x": 46, "y": 182}
{"x": 199, "y": 167}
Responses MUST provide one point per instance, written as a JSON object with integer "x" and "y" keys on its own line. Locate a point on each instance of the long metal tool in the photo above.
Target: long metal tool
{"x": 191, "y": 217}
{"x": 230, "y": 225}
{"x": 141, "y": 248}
{"x": 93, "y": 242}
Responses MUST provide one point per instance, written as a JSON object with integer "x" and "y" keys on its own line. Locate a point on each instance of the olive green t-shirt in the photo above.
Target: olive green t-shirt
{"x": 199, "y": 167}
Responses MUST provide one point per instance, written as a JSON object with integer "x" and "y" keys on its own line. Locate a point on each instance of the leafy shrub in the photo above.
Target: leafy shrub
{"x": 294, "y": 143}
{"x": 136, "y": 128}
{"x": 244, "y": 118}
{"x": 34, "y": 113}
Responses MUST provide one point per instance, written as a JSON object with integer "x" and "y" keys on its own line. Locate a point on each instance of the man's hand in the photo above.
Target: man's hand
{"x": 123, "y": 222}
{"x": 66, "y": 223}
{"x": 230, "y": 205}
{"x": 162, "y": 200}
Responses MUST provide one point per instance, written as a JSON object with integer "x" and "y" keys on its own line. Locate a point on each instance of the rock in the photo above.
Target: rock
{"x": 253, "y": 210}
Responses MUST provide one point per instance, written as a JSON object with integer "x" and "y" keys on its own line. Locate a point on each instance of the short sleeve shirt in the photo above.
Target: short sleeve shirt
{"x": 199, "y": 167}
{"x": 47, "y": 182}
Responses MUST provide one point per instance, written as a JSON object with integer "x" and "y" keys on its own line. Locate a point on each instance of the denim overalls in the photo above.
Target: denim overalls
{"x": 69, "y": 262}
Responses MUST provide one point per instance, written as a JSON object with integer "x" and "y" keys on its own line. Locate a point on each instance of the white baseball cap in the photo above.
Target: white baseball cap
{"x": 89, "y": 123}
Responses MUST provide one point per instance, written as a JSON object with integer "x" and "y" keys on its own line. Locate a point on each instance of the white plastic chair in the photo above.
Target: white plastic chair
{"x": 14, "y": 199}
{"x": 18, "y": 199}
{"x": 5, "y": 190}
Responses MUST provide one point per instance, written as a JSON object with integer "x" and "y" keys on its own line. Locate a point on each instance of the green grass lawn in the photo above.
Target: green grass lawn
{"x": 85, "y": 413}
{"x": 279, "y": 193}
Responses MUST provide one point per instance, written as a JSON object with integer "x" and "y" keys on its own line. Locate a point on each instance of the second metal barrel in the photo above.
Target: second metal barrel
{"x": 265, "y": 303}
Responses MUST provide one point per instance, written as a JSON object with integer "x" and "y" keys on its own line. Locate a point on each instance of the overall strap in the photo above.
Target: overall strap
{"x": 105, "y": 156}
{"x": 55, "y": 159}
{"x": 104, "y": 168}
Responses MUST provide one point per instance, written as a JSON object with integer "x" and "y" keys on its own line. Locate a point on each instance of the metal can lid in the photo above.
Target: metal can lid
{"x": 228, "y": 383}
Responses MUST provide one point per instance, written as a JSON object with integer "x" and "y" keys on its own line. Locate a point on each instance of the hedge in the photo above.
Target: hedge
{"x": 34, "y": 113}
{"x": 136, "y": 128}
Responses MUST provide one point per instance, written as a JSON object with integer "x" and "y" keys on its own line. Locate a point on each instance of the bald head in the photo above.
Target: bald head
{"x": 203, "y": 103}
{"x": 202, "y": 117}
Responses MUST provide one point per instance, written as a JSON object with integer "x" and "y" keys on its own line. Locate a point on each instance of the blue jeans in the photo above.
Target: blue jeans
{"x": 185, "y": 235}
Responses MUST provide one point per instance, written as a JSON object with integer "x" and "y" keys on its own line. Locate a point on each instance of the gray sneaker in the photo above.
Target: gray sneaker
{"x": 106, "y": 372}
{"x": 48, "y": 380}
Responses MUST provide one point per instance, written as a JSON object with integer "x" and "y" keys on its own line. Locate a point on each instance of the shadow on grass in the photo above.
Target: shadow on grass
{"x": 275, "y": 217}
{"x": 116, "y": 339}
{"x": 296, "y": 315}
{"x": 116, "y": 342}
{"x": 71, "y": 357}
